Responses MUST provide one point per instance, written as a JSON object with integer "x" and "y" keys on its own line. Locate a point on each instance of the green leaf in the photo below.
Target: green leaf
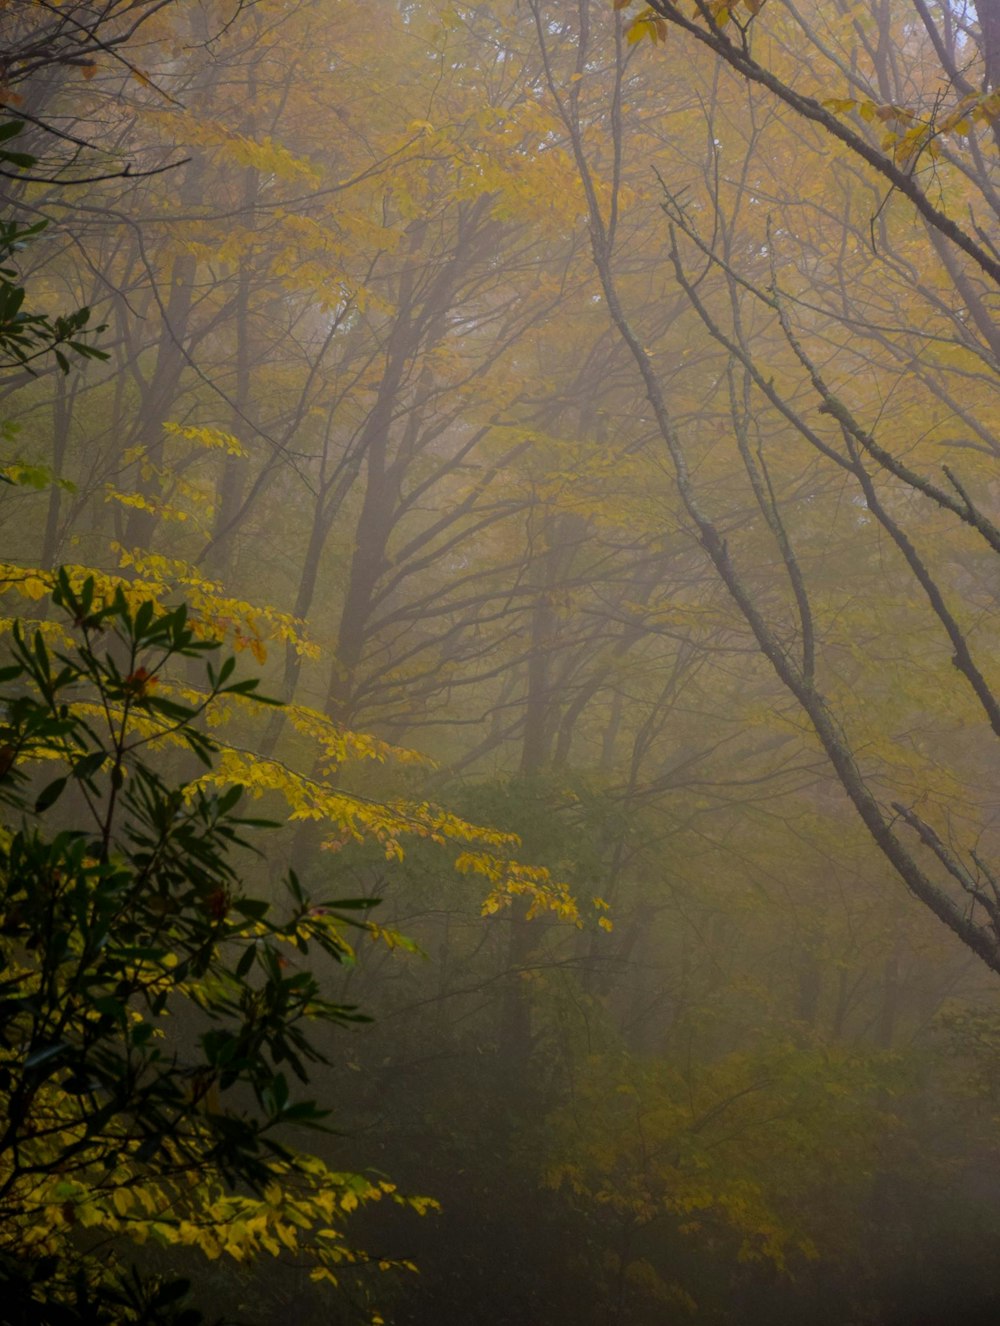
{"x": 254, "y": 909}
{"x": 50, "y": 795}
{"x": 85, "y": 769}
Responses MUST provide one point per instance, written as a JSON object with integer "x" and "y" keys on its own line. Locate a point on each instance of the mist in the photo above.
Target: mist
{"x": 579, "y": 422}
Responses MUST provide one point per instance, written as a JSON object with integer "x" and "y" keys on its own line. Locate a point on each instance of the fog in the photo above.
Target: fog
{"x": 583, "y": 419}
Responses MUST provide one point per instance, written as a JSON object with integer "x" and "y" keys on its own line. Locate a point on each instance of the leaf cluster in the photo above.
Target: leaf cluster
{"x": 26, "y": 336}
{"x": 154, "y": 1015}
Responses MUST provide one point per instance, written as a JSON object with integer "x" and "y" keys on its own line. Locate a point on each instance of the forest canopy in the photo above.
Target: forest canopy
{"x": 580, "y": 421}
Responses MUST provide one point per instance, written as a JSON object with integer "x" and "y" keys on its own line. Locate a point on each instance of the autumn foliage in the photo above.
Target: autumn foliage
{"x": 582, "y": 418}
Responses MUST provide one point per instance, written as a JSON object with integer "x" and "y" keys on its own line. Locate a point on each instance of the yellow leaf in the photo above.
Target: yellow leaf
{"x": 34, "y": 588}
{"x": 840, "y": 104}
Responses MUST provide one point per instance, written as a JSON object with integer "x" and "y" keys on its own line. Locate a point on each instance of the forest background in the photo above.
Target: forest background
{"x": 585, "y": 419}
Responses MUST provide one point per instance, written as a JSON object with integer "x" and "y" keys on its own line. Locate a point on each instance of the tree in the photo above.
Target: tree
{"x": 368, "y": 414}
{"x": 26, "y": 336}
{"x": 958, "y": 882}
{"x": 44, "y": 45}
{"x": 155, "y": 1015}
